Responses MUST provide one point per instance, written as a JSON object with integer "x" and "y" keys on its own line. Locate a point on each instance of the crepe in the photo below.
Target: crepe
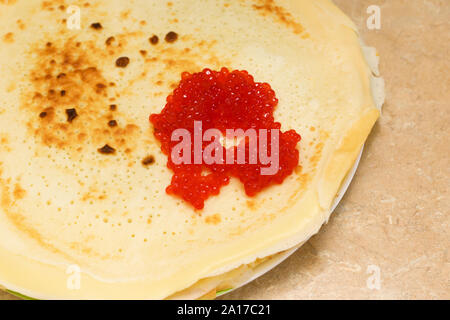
{"x": 66, "y": 207}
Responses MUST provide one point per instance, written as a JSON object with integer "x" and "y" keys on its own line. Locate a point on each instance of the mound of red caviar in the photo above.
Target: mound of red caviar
{"x": 223, "y": 100}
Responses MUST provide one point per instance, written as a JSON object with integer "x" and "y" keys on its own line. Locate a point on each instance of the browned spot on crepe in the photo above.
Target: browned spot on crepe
{"x": 66, "y": 75}
{"x": 214, "y": 219}
{"x": 279, "y": 14}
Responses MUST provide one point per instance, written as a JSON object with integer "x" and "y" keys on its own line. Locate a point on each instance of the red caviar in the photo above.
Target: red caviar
{"x": 222, "y": 100}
